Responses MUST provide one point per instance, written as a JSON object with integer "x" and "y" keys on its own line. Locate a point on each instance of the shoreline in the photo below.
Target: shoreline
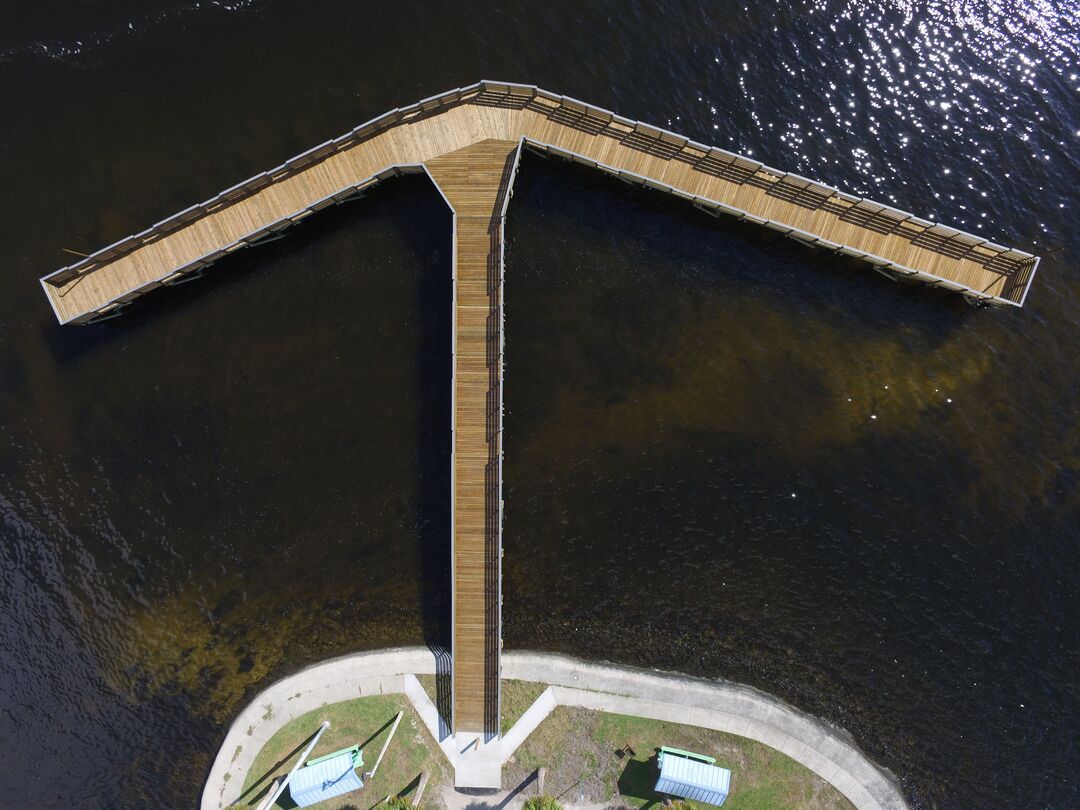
{"x": 816, "y": 744}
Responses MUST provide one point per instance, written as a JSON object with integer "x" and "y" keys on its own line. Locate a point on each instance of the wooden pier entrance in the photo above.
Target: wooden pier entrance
{"x": 468, "y": 141}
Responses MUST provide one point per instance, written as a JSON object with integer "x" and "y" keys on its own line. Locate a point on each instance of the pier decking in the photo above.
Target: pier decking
{"x": 468, "y": 141}
{"x": 476, "y": 181}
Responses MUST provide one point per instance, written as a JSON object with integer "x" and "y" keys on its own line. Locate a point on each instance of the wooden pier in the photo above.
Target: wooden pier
{"x": 468, "y": 141}
{"x": 476, "y": 182}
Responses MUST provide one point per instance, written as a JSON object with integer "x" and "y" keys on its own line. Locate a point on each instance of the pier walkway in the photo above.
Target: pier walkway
{"x": 476, "y": 181}
{"x": 469, "y": 141}
{"x": 718, "y": 181}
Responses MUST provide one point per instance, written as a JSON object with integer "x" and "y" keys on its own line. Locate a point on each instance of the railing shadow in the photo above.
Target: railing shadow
{"x": 506, "y": 101}
{"x": 799, "y": 192}
{"x": 444, "y": 669}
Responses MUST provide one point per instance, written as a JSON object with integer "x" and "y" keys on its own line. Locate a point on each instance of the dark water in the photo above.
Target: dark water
{"x": 247, "y": 474}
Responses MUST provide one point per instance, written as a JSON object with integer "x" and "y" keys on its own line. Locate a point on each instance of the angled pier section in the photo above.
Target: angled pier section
{"x": 894, "y": 242}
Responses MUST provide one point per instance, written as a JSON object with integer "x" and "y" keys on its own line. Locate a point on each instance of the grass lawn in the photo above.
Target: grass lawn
{"x": 365, "y": 721}
{"x": 580, "y": 749}
{"x": 517, "y": 696}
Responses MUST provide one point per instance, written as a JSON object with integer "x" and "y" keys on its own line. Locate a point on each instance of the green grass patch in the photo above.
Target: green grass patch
{"x": 364, "y": 721}
{"x": 587, "y": 757}
{"x": 541, "y": 803}
{"x": 517, "y": 697}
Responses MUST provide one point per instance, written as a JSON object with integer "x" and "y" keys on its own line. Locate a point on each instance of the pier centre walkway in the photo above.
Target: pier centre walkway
{"x": 476, "y": 181}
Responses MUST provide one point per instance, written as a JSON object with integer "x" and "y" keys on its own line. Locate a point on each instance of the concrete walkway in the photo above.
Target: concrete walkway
{"x": 720, "y": 705}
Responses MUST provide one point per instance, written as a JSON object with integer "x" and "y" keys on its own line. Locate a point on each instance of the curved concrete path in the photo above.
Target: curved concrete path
{"x": 720, "y": 705}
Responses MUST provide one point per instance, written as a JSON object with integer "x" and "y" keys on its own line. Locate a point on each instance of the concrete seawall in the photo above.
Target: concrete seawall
{"x": 721, "y": 705}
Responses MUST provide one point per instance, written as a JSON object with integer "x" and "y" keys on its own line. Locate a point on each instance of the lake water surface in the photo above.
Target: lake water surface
{"x": 726, "y": 454}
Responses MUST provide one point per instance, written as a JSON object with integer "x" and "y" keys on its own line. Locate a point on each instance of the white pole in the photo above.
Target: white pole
{"x": 265, "y": 803}
{"x": 386, "y": 744}
{"x": 420, "y": 790}
{"x": 299, "y": 762}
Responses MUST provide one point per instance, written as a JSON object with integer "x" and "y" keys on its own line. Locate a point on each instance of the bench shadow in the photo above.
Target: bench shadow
{"x": 637, "y": 780}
